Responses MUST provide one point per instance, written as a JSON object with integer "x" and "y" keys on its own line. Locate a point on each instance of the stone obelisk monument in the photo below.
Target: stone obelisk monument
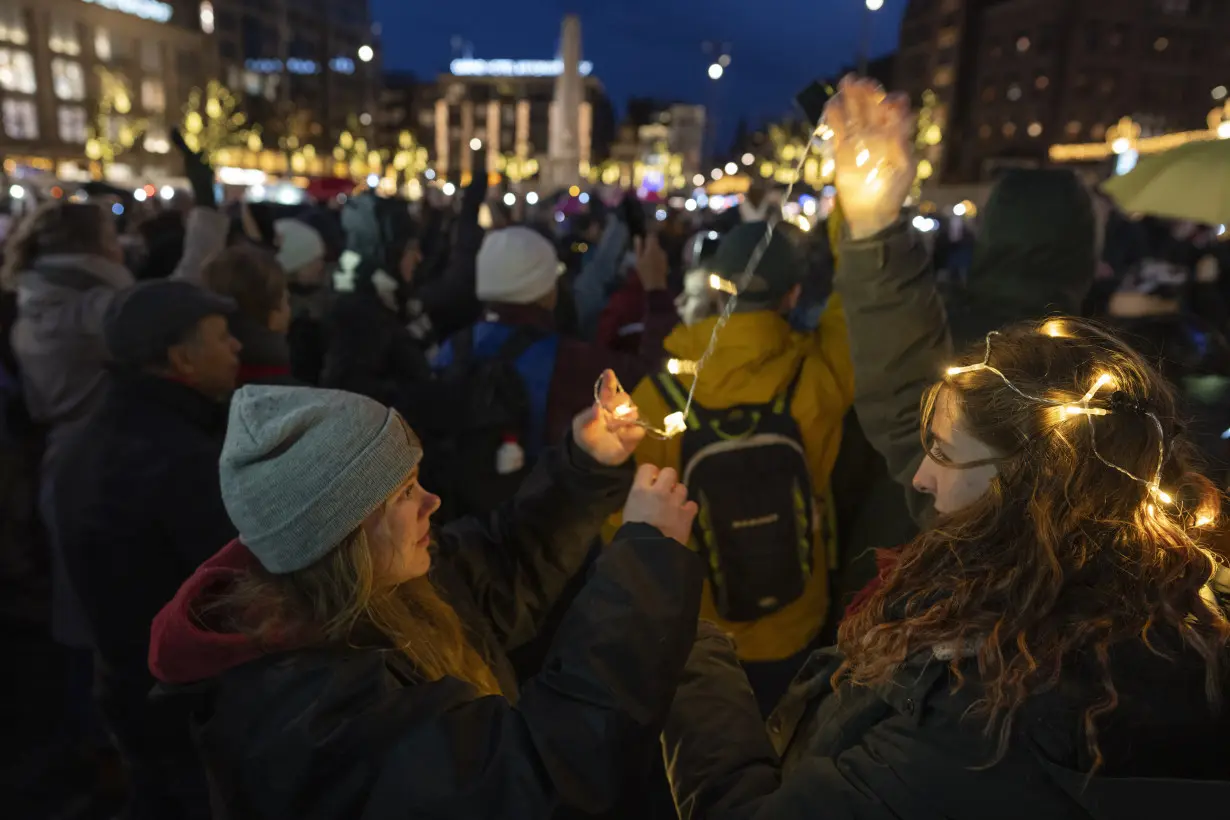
{"x": 563, "y": 151}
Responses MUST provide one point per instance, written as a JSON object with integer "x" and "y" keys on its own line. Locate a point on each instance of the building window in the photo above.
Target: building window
{"x": 1042, "y": 82}
{"x": 13, "y": 26}
{"x": 1074, "y": 128}
{"x": 102, "y": 45}
{"x": 988, "y": 94}
{"x": 153, "y": 95}
{"x": 1161, "y": 44}
{"x": 1035, "y": 129}
{"x": 1009, "y": 129}
{"x": 151, "y": 55}
{"x": 63, "y": 39}
{"x": 1098, "y": 131}
{"x": 1023, "y": 44}
{"x": 157, "y": 140}
{"x": 943, "y": 76}
{"x": 16, "y": 71}
{"x": 947, "y": 37}
{"x": 1014, "y": 92}
{"x": 67, "y": 79}
{"x": 21, "y": 119}
{"x": 985, "y": 132}
{"x": 71, "y": 120}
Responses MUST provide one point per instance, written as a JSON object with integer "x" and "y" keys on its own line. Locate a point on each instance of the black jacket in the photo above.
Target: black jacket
{"x": 911, "y": 751}
{"x": 138, "y": 507}
{"x": 348, "y": 733}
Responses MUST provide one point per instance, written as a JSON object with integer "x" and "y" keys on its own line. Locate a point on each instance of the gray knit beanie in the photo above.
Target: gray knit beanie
{"x": 302, "y": 468}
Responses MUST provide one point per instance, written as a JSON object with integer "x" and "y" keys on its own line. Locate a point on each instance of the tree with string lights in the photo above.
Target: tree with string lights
{"x": 110, "y": 132}
{"x": 213, "y": 122}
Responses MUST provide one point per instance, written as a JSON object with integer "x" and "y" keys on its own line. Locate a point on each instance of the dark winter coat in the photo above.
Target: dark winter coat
{"x": 265, "y": 357}
{"x": 350, "y": 732}
{"x": 910, "y": 750}
{"x": 559, "y": 372}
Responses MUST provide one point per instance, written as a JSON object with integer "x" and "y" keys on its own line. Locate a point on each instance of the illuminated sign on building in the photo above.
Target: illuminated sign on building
{"x": 295, "y": 65}
{"x": 514, "y": 68}
{"x": 145, "y": 9}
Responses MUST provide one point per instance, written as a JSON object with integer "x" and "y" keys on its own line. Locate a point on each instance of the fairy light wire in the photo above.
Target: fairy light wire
{"x": 1082, "y": 407}
{"x": 670, "y": 430}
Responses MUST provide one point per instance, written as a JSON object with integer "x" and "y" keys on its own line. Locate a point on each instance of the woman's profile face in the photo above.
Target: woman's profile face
{"x": 400, "y": 533}
{"x": 942, "y": 474}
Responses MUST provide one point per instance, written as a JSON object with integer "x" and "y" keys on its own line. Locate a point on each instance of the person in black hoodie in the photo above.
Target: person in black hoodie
{"x": 346, "y": 661}
{"x": 137, "y": 507}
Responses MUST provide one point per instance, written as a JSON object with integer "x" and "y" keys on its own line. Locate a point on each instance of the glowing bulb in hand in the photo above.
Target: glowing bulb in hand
{"x": 674, "y": 424}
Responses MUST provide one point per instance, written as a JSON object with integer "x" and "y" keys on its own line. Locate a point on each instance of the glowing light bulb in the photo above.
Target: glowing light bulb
{"x": 1103, "y": 380}
{"x": 674, "y": 424}
{"x": 861, "y": 159}
{"x": 957, "y": 371}
{"x": 1054, "y": 329}
{"x": 1204, "y": 520}
{"x": 680, "y": 366}
{"x": 623, "y": 410}
{"x": 1162, "y": 495}
{"x": 718, "y": 283}
{"x": 1074, "y": 410}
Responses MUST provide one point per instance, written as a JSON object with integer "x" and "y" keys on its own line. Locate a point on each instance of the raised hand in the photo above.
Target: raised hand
{"x": 872, "y": 141}
{"x": 608, "y": 431}
{"x": 659, "y": 499}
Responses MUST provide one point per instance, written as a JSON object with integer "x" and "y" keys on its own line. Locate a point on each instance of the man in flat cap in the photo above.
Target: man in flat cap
{"x": 137, "y": 507}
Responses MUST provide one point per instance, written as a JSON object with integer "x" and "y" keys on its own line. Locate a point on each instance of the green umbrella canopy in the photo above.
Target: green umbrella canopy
{"x": 1191, "y": 182}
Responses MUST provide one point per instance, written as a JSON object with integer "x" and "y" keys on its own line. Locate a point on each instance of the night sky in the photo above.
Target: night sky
{"x": 651, "y": 47}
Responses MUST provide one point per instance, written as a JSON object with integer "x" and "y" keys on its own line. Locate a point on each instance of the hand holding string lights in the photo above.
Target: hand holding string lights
{"x": 874, "y": 169}
{"x": 1083, "y": 407}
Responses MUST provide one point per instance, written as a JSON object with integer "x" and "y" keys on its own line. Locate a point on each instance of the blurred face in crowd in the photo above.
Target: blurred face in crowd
{"x": 208, "y": 360}
{"x": 954, "y": 472}
{"x": 110, "y": 240}
{"x": 410, "y": 259}
{"x": 279, "y": 320}
{"x": 400, "y": 533}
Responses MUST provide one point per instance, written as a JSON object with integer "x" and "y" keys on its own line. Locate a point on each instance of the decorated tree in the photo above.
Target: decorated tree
{"x": 213, "y": 122}
{"x": 110, "y": 132}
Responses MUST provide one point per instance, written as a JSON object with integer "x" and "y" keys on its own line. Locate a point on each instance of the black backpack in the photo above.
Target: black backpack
{"x": 492, "y": 408}
{"x": 747, "y": 469}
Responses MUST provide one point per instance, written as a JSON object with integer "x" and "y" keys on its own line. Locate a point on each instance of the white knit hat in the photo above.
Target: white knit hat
{"x": 516, "y": 265}
{"x": 299, "y": 244}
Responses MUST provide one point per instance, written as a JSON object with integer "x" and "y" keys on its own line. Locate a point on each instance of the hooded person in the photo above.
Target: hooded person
{"x": 762, "y": 437}
{"x": 341, "y": 654}
{"x": 137, "y": 507}
{"x": 1035, "y": 254}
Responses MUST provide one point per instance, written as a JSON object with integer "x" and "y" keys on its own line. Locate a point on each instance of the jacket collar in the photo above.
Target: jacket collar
{"x": 510, "y": 314}
{"x": 182, "y": 400}
{"x": 79, "y": 271}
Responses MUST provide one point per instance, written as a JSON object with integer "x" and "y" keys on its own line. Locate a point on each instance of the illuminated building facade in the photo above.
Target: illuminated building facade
{"x": 1014, "y": 77}
{"x": 507, "y": 107}
{"x": 60, "y": 58}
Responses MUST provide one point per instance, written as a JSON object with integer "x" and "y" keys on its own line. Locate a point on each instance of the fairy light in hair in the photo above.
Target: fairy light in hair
{"x": 1083, "y": 408}
{"x": 724, "y": 285}
{"x": 1055, "y": 329}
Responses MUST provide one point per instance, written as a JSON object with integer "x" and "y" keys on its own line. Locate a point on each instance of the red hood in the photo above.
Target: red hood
{"x": 886, "y": 560}
{"x": 180, "y": 649}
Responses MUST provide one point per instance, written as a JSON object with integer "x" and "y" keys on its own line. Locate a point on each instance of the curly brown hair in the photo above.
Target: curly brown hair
{"x": 1065, "y": 555}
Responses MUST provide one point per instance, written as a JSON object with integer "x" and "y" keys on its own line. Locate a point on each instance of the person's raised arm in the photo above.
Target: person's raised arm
{"x": 596, "y": 281}
{"x": 206, "y": 227}
{"x": 899, "y": 337}
{"x": 517, "y": 560}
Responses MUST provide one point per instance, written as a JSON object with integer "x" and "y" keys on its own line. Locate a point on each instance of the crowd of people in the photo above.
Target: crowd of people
{"x": 322, "y": 514}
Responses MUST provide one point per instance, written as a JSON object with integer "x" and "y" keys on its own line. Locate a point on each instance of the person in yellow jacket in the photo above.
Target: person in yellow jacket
{"x": 759, "y": 368}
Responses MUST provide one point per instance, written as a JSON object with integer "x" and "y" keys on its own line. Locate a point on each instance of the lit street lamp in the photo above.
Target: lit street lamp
{"x": 875, "y": 5}
{"x": 716, "y": 71}
{"x": 366, "y": 54}
{"x": 872, "y": 6}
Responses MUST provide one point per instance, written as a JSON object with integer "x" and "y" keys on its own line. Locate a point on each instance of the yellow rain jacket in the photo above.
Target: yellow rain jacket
{"x": 757, "y": 355}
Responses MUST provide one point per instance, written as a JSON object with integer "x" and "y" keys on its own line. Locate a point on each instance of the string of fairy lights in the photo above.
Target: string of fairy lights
{"x": 675, "y": 423}
{"x": 1083, "y": 407}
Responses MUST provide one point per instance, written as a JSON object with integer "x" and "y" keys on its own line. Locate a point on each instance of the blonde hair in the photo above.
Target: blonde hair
{"x": 339, "y": 601}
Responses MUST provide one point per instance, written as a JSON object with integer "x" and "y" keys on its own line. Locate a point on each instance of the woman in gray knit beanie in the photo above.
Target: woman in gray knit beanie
{"x": 349, "y": 662}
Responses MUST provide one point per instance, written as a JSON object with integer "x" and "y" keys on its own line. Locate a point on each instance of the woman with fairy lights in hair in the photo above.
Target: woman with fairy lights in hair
{"x": 1055, "y": 644}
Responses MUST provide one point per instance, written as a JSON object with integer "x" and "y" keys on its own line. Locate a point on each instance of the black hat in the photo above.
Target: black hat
{"x": 780, "y": 268}
{"x": 147, "y": 319}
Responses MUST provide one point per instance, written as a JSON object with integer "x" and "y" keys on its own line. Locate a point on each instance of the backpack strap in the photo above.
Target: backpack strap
{"x": 785, "y": 400}
{"x": 676, "y": 396}
{"x": 462, "y": 344}
{"x": 520, "y": 340}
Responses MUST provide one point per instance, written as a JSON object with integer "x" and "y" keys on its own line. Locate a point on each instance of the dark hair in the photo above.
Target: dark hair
{"x": 249, "y": 275}
{"x": 56, "y": 227}
{"x": 1065, "y": 557}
